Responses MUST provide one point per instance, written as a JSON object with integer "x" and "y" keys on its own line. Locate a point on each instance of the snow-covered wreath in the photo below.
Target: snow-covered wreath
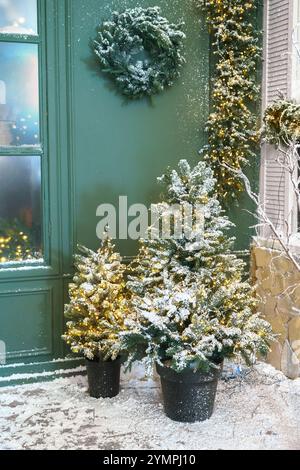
{"x": 141, "y": 50}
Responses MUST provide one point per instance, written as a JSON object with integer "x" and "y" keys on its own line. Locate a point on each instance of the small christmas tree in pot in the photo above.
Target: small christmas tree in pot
{"x": 190, "y": 306}
{"x": 96, "y": 313}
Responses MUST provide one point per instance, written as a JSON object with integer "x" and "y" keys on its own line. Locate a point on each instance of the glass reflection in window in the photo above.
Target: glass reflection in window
{"x": 19, "y": 94}
{"x": 20, "y": 208}
{"x": 18, "y": 16}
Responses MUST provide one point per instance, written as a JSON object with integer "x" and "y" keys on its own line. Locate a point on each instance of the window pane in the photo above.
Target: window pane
{"x": 19, "y": 94}
{"x": 20, "y": 208}
{"x": 18, "y": 16}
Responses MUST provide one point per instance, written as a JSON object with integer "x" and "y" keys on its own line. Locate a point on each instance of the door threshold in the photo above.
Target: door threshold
{"x": 19, "y": 374}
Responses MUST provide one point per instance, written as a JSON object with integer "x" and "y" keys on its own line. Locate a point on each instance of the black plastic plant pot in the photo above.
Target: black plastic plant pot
{"x": 188, "y": 396}
{"x": 103, "y": 377}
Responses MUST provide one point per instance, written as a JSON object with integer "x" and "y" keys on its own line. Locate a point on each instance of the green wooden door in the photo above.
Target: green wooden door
{"x": 94, "y": 147}
{"x": 34, "y": 214}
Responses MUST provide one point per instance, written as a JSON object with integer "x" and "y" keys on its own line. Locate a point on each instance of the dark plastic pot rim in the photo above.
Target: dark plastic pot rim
{"x": 100, "y": 359}
{"x": 189, "y": 375}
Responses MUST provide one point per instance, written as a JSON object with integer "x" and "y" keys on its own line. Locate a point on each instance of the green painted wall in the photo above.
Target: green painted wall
{"x": 121, "y": 147}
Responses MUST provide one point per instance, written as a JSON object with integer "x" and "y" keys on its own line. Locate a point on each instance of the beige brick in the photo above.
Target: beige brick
{"x": 261, "y": 293}
{"x": 261, "y": 274}
{"x": 270, "y": 303}
{"x": 294, "y": 331}
{"x": 266, "y": 283}
{"x": 290, "y": 364}
{"x": 278, "y": 288}
{"x": 294, "y": 312}
{"x": 285, "y": 304}
{"x": 279, "y": 326}
{"x": 262, "y": 256}
{"x": 276, "y": 284}
{"x": 274, "y": 356}
{"x": 295, "y": 295}
{"x": 292, "y": 279}
{"x": 281, "y": 263}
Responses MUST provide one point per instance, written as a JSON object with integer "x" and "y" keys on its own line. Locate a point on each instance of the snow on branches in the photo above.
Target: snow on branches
{"x": 190, "y": 306}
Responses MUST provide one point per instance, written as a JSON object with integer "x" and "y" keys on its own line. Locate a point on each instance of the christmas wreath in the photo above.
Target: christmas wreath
{"x": 282, "y": 122}
{"x": 141, "y": 50}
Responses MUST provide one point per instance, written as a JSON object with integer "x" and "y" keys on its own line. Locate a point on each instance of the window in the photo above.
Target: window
{"x": 18, "y": 16}
{"x": 19, "y": 96}
{"x": 21, "y": 153}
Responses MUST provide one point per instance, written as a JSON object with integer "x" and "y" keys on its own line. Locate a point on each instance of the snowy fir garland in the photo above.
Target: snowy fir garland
{"x": 141, "y": 51}
{"x": 232, "y": 125}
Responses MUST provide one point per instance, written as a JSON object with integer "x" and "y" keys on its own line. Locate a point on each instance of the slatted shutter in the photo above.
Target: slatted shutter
{"x": 276, "y": 191}
{"x": 296, "y": 55}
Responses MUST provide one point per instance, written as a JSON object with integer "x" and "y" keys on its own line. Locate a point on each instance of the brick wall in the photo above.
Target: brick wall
{"x": 278, "y": 287}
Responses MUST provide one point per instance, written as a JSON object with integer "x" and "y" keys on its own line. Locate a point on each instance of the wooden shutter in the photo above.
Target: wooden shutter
{"x": 296, "y": 54}
{"x": 276, "y": 192}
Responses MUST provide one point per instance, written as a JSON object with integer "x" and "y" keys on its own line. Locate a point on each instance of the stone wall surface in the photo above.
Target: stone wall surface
{"x": 278, "y": 287}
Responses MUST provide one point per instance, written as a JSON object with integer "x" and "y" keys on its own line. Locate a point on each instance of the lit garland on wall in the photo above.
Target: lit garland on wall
{"x": 232, "y": 125}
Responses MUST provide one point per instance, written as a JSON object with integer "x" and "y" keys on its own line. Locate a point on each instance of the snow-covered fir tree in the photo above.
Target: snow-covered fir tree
{"x": 190, "y": 306}
{"x": 98, "y": 304}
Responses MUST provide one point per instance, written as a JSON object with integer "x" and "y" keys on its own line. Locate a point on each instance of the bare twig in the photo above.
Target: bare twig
{"x": 261, "y": 213}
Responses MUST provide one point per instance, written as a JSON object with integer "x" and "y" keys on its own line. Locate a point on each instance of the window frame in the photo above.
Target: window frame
{"x": 58, "y": 184}
{"x": 40, "y": 150}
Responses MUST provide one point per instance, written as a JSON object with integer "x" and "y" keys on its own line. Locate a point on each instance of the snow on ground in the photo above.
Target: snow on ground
{"x": 262, "y": 411}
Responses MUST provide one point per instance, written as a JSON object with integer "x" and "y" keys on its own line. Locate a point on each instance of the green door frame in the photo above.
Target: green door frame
{"x": 48, "y": 278}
